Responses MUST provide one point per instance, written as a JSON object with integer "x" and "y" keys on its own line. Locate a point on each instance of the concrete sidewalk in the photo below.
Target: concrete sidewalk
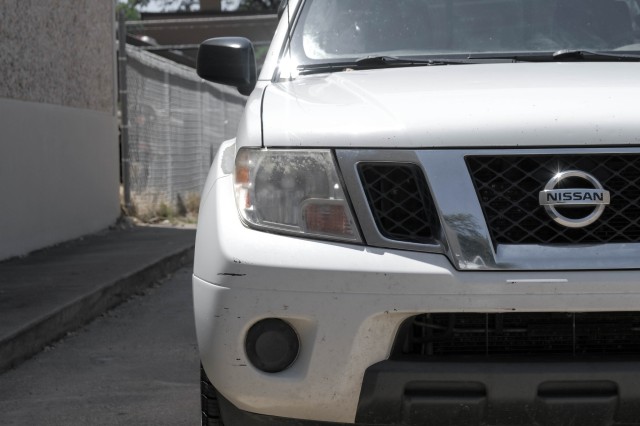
{"x": 53, "y": 291}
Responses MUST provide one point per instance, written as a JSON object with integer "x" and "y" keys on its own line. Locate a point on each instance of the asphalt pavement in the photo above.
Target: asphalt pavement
{"x": 137, "y": 364}
{"x": 51, "y": 292}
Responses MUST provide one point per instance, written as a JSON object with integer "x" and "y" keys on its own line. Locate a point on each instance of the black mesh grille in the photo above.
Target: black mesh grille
{"x": 400, "y": 201}
{"x": 520, "y": 334}
{"x": 508, "y": 188}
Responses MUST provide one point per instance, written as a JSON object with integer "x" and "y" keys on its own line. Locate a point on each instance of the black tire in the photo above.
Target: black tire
{"x": 209, "y": 402}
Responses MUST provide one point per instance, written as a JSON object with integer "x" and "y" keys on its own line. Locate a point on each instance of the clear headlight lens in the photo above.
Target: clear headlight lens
{"x": 294, "y": 192}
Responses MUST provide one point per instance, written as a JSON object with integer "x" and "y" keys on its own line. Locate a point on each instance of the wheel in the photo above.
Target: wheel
{"x": 209, "y": 402}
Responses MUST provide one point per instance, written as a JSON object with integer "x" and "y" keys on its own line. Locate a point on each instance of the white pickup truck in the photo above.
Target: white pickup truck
{"x": 430, "y": 216}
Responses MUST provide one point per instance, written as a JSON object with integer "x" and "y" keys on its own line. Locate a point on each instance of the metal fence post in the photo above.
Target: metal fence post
{"x": 168, "y": 141}
{"x": 124, "y": 111}
{"x": 201, "y": 136}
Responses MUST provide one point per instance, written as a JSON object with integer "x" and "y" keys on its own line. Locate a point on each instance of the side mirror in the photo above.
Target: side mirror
{"x": 230, "y": 61}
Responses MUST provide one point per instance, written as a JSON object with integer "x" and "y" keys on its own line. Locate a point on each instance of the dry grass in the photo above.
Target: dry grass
{"x": 183, "y": 211}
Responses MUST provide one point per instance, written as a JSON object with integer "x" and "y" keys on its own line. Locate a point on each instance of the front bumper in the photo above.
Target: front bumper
{"x": 546, "y": 392}
{"x": 346, "y": 303}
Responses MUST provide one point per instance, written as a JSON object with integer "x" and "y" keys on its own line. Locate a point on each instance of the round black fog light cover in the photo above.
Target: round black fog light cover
{"x": 272, "y": 345}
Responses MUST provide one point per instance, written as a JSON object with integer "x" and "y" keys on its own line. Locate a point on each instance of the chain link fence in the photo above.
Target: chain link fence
{"x": 176, "y": 121}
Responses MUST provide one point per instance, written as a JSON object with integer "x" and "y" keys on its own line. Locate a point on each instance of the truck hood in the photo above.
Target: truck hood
{"x": 492, "y": 105}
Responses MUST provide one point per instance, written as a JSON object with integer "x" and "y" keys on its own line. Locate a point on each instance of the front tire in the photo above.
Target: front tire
{"x": 210, "y": 405}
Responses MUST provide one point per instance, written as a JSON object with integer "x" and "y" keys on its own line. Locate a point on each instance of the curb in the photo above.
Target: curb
{"x": 35, "y": 336}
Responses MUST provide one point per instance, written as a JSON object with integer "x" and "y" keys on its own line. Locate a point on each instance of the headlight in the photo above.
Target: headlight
{"x": 293, "y": 192}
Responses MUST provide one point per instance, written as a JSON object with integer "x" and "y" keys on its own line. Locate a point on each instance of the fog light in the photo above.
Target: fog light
{"x": 272, "y": 345}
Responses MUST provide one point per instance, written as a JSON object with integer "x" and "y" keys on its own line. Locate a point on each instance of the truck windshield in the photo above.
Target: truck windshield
{"x": 347, "y": 30}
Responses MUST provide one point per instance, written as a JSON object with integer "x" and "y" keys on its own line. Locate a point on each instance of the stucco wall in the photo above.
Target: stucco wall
{"x": 58, "y": 52}
{"x": 58, "y": 129}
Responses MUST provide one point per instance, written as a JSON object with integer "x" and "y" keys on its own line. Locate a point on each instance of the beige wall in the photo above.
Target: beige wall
{"x": 58, "y": 139}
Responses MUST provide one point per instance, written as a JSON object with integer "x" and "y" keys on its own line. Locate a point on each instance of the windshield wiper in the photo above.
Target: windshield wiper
{"x": 374, "y": 62}
{"x": 561, "y": 56}
{"x": 588, "y": 55}
{"x": 394, "y": 61}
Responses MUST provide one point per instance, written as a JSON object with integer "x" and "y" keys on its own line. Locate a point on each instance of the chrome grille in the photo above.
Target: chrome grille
{"x": 537, "y": 333}
{"x": 400, "y": 202}
{"x": 508, "y": 186}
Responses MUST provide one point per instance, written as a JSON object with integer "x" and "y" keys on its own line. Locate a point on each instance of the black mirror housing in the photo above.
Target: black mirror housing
{"x": 230, "y": 61}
